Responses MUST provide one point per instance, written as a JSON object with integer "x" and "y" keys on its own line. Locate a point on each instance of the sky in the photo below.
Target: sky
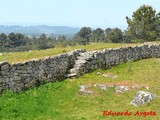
{"x": 73, "y": 13}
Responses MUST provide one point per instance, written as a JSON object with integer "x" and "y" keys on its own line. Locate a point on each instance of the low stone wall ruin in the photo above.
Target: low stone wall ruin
{"x": 17, "y": 77}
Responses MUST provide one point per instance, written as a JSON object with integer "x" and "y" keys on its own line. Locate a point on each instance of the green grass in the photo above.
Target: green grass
{"x": 38, "y": 54}
{"x": 62, "y": 101}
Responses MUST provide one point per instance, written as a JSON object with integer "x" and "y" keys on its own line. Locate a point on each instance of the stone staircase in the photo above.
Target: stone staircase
{"x": 80, "y": 65}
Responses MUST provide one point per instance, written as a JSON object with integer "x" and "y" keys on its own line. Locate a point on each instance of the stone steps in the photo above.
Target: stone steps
{"x": 85, "y": 58}
{"x": 71, "y": 76}
{"x": 73, "y": 70}
{"x": 80, "y": 63}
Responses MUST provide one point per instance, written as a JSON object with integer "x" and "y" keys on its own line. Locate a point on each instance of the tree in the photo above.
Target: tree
{"x": 3, "y": 36}
{"x": 115, "y": 35}
{"x": 157, "y": 26}
{"x": 11, "y": 41}
{"x": 12, "y": 36}
{"x": 16, "y": 39}
{"x": 61, "y": 41}
{"x": 83, "y": 35}
{"x": 19, "y": 39}
{"x": 61, "y": 38}
{"x": 143, "y": 23}
{"x": 98, "y": 35}
{"x": 106, "y": 33}
{"x": 42, "y": 42}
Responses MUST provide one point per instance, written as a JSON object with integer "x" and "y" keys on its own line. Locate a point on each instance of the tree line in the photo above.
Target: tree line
{"x": 19, "y": 42}
{"x": 86, "y": 35}
{"x": 143, "y": 26}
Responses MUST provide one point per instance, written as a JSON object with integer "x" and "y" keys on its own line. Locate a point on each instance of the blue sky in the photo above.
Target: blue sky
{"x": 74, "y": 13}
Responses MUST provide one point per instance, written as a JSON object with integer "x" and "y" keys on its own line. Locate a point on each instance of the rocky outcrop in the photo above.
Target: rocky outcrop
{"x": 142, "y": 97}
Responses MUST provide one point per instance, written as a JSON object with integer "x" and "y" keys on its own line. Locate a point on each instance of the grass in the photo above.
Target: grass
{"x": 38, "y": 54}
{"x": 62, "y": 101}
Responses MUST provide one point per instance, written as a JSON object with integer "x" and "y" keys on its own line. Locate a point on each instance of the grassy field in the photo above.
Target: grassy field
{"x": 62, "y": 101}
{"x": 38, "y": 54}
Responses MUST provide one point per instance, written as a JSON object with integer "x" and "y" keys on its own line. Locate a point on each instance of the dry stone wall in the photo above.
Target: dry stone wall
{"x": 19, "y": 76}
{"x": 29, "y": 74}
{"x": 107, "y": 58}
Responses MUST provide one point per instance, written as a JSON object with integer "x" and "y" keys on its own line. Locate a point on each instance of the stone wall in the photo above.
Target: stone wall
{"x": 29, "y": 74}
{"x": 89, "y": 61}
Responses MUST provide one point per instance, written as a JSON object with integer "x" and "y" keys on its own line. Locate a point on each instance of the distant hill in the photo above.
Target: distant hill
{"x": 39, "y": 29}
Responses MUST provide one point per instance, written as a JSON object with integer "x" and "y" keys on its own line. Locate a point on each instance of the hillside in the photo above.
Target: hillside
{"x": 64, "y": 100}
{"x": 39, "y": 29}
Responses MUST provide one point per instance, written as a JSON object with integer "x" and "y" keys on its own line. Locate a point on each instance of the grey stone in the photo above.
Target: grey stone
{"x": 30, "y": 84}
{"x": 12, "y": 87}
{"x": 142, "y": 97}
{"x": 5, "y": 66}
{"x": 3, "y": 63}
{"x": 84, "y": 86}
{"x": 86, "y": 92}
{"x": 73, "y": 70}
{"x": 49, "y": 76}
{"x": 138, "y": 86}
{"x": 83, "y": 90}
{"x": 121, "y": 88}
{"x": 72, "y": 75}
{"x": 110, "y": 76}
{"x": 17, "y": 78}
{"x": 101, "y": 86}
{"x": 113, "y": 77}
{"x": 19, "y": 87}
{"x": 13, "y": 68}
{"x": 27, "y": 80}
